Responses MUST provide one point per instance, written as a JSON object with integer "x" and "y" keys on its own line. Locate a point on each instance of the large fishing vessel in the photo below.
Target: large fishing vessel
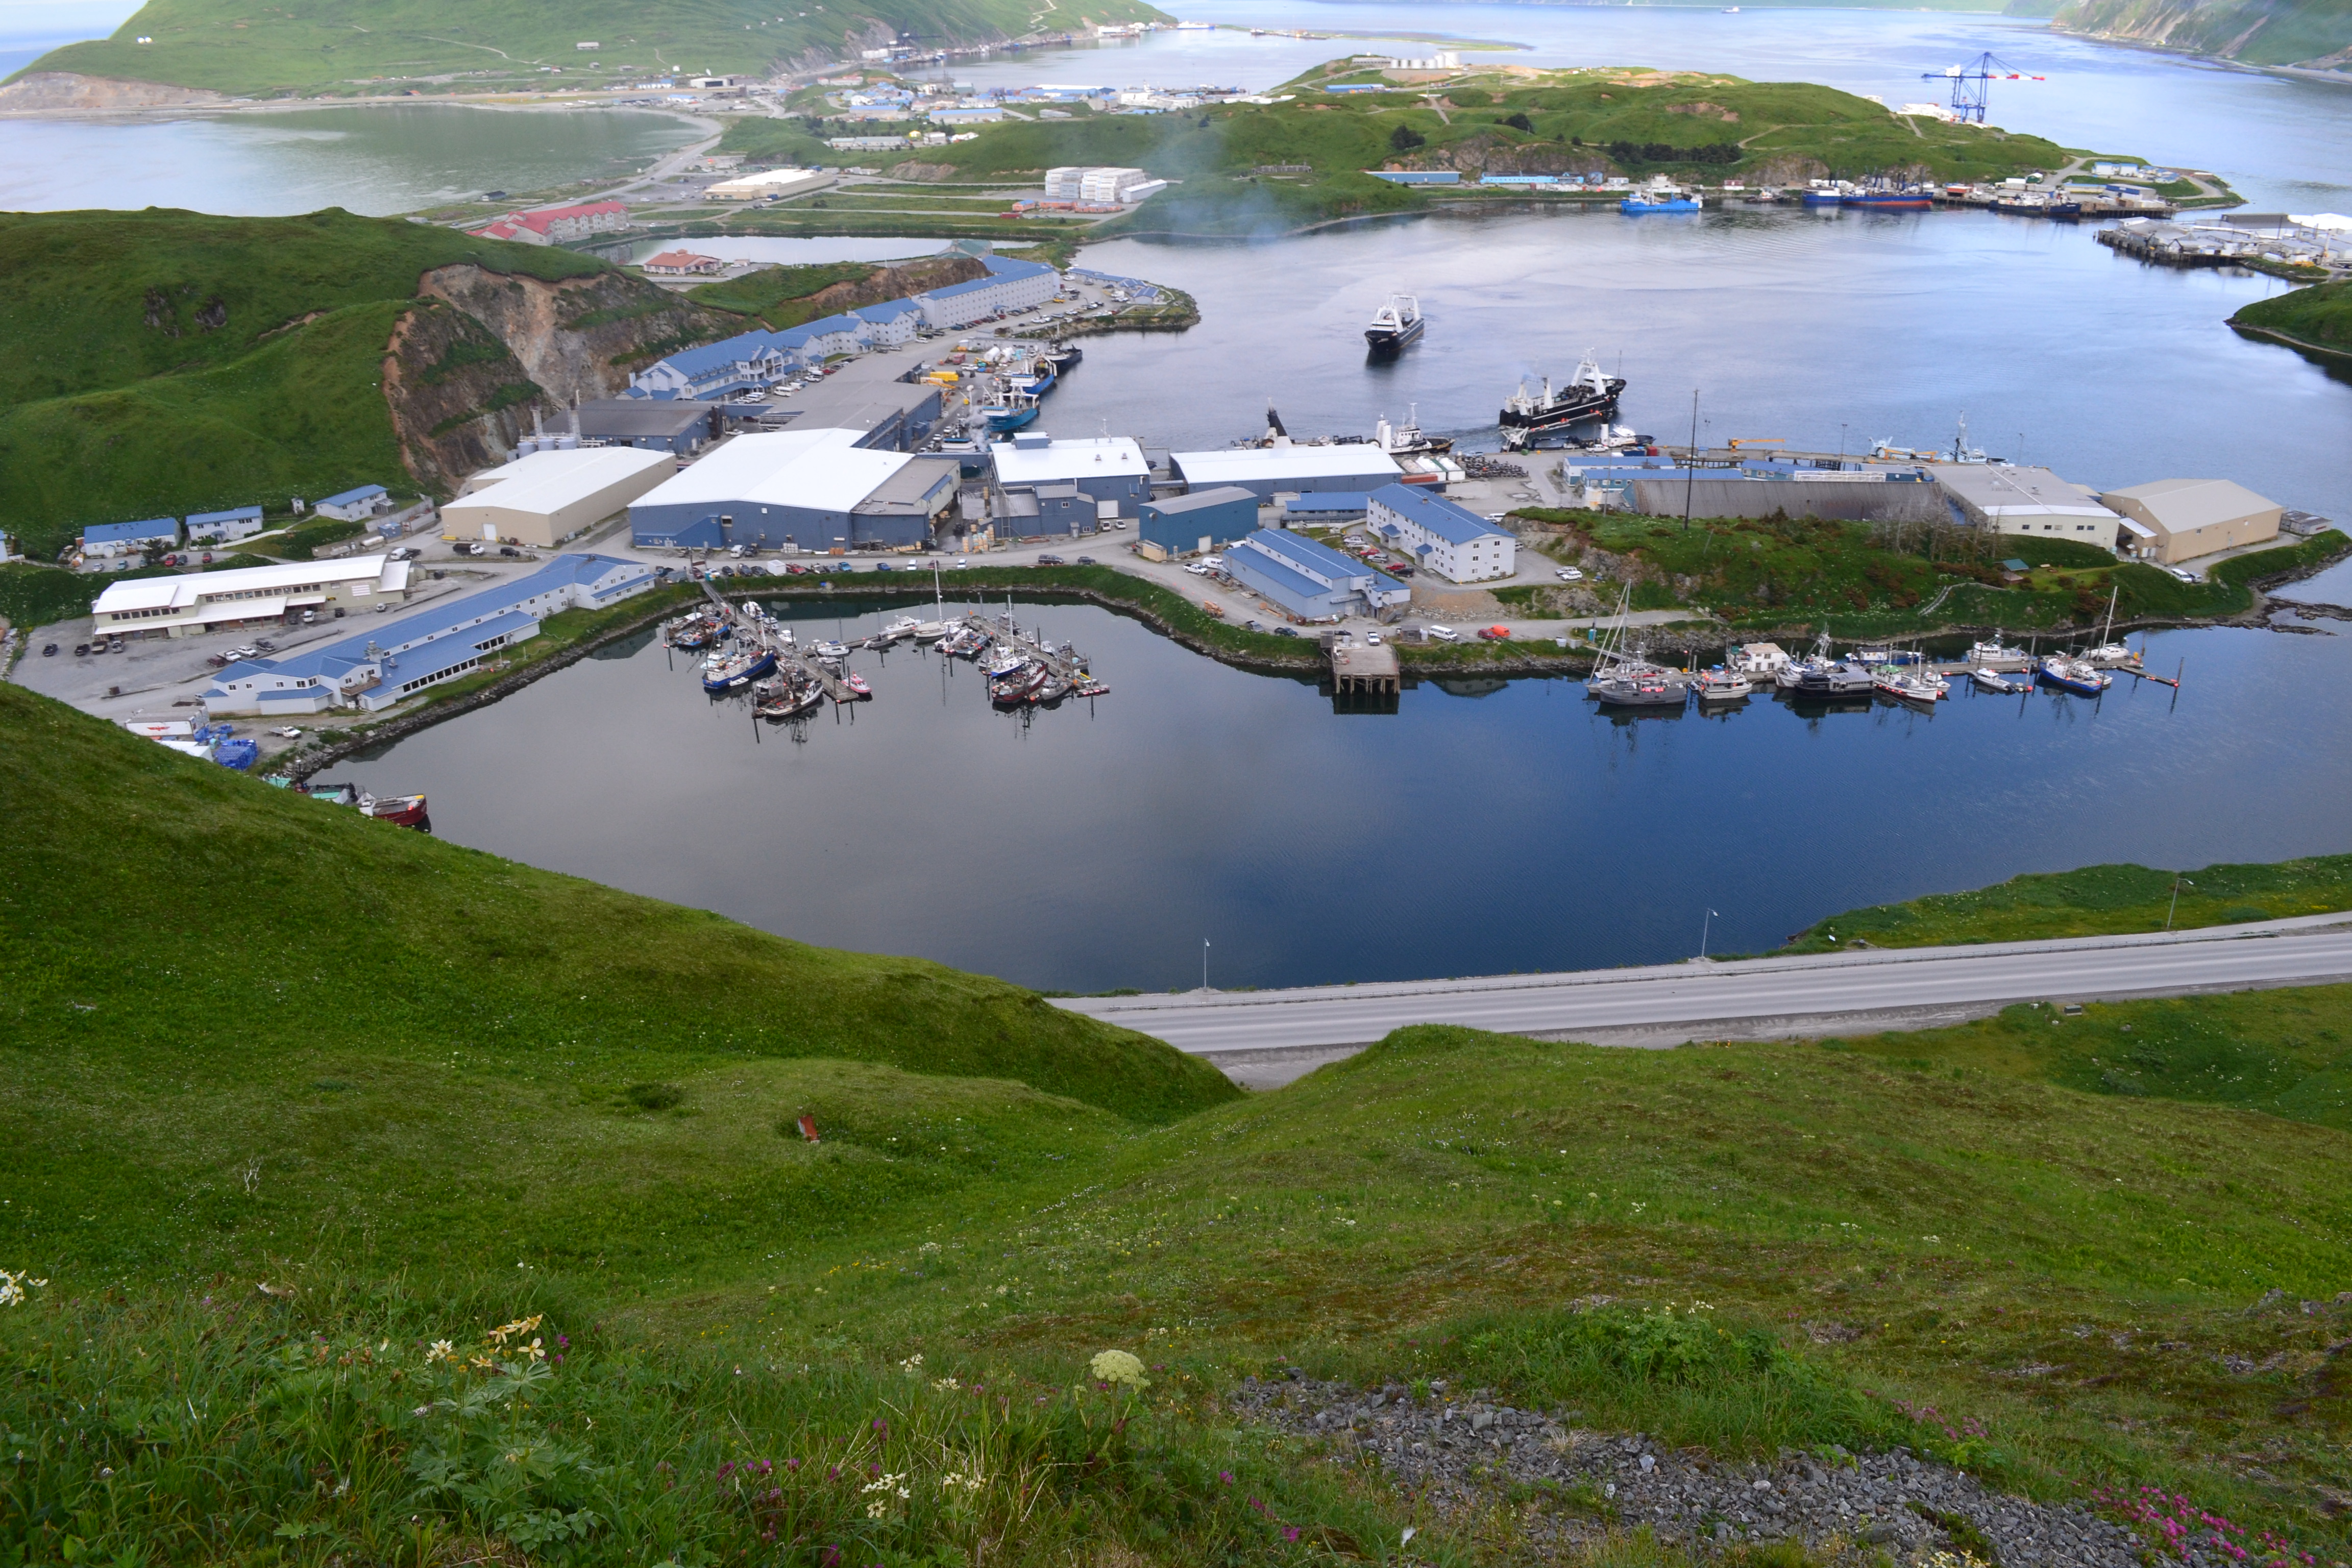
{"x": 1587, "y": 394}
{"x": 1395, "y": 324}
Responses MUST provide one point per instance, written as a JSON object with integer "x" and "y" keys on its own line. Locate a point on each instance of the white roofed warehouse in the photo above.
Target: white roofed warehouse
{"x": 195, "y": 602}
{"x": 1268, "y": 472}
{"x": 542, "y": 498}
{"x": 2011, "y": 499}
{"x": 1105, "y": 469}
{"x": 2180, "y": 519}
{"x": 812, "y": 490}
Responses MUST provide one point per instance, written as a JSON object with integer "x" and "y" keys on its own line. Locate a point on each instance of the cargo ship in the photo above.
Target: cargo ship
{"x": 1397, "y": 323}
{"x": 1587, "y": 394}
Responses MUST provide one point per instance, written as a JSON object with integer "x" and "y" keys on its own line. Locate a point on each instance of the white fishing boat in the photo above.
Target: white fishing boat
{"x": 1721, "y": 685}
{"x": 1993, "y": 680}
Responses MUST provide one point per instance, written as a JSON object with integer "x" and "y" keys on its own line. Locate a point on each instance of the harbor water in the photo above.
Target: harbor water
{"x": 1484, "y": 826}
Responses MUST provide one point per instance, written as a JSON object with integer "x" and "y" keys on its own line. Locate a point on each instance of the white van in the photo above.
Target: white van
{"x": 1443, "y": 633}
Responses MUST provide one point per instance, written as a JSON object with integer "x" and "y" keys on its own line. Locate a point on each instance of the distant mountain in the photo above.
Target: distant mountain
{"x": 2316, "y": 34}
{"x": 311, "y": 45}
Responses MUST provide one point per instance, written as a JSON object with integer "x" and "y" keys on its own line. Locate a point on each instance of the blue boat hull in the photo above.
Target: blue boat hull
{"x": 2079, "y": 688}
{"x": 1010, "y": 418}
{"x": 1634, "y": 208}
{"x": 1821, "y": 199}
{"x": 763, "y": 666}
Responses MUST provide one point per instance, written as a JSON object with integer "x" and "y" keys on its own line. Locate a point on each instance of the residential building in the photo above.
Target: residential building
{"x": 1196, "y": 523}
{"x": 356, "y": 505}
{"x": 2027, "y": 501}
{"x": 1010, "y": 286}
{"x": 1311, "y": 582}
{"x": 680, "y": 425}
{"x": 375, "y": 668}
{"x": 194, "y": 601}
{"x": 109, "y": 540}
{"x": 543, "y": 498}
{"x": 813, "y": 342}
{"x": 1269, "y": 471}
{"x": 2168, "y": 521}
{"x": 891, "y": 323}
{"x": 681, "y": 264}
{"x": 816, "y": 490}
{"x": 1441, "y": 536}
{"x": 1111, "y": 469}
{"x": 553, "y": 225}
{"x": 743, "y": 363}
{"x": 224, "y": 527}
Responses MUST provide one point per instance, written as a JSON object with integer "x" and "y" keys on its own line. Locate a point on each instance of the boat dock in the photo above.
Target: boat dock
{"x": 1362, "y": 671}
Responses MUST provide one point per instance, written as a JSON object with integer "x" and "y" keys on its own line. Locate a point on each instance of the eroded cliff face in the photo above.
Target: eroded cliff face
{"x": 579, "y": 338}
{"x": 459, "y": 398}
{"x": 2311, "y": 33}
{"x": 897, "y": 283}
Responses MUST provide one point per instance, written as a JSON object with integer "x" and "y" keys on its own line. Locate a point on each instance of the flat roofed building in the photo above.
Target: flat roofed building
{"x": 193, "y": 602}
{"x": 1325, "y": 509}
{"x": 224, "y": 527}
{"x": 1105, "y": 467}
{"x": 802, "y": 488}
{"x": 375, "y": 668}
{"x": 1010, "y": 286}
{"x": 2180, "y": 519}
{"x": 2026, "y": 501}
{"x": 1198, "y": 522}
{"x": 1265, "y": 472}
{"x": 769, "y": 183}
{"x": 680, "y": 425}
{"x": 1440, "y": 535}
{"x": 107, "y": 540}
{"x": 542, "y": 498}
{"x": 1311, "y": 582}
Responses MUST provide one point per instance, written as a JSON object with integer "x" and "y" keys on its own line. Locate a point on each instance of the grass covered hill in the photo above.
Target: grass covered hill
{"x": 1632, "y": 122}
{"x": 374, "y": 1200}
{"x": 2255, "y": 32}
{"x": 342, "y": 45}
{"x": 2320, "y": 316}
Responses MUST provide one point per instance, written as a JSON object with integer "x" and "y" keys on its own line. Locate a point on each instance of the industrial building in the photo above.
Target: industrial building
{"x": 1269, "y": 471}
{"x": 1198, "y": 522}
{"x": 2167, "y": 520}
{"x": 224, "y": 527}
{"x": 812, "y": 490}
{"x": 1325, "y": 509}
{"x": 1440, "y": 535}
{"x": 2011, "y": 499}
{"x": 768, "y": 184}
{"x": 356, "y": 505}
{"x": 1109, "y": 469}
{"x": 867, "y": 397}
{"x": 377, "y": 668}
{"x": 1311, "y": 582}
{"x": 193, "y": 602}
{"x": 681, "y": 426}
{"x": 543, "y": 498}
{"x": 107, "y": 541}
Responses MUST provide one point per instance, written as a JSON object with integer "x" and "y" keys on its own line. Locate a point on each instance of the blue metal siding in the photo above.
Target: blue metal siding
{"x": 1181, "y": 529}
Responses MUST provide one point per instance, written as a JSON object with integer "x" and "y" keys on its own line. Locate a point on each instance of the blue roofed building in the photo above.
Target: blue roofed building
{"x": 356, "y": 505}
{"x": 813, "y": 342}
{"x": 1326, "y": 509}
{"x": 1010, "y": 286}
{"x": 387, "y": 664}
{"x": 1311, "y": 582}
{"x": 891, "y": 323}
{"x": 744, "y": 362}
{"x": 1196, "y": 523}
{"x": 1440, "y": 535}
{"x": 224, "y": 527}
{"x": 107, "y": 540}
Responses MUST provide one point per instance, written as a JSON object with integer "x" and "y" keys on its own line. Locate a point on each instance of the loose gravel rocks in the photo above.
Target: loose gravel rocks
{"x": 1460, "y": 1452}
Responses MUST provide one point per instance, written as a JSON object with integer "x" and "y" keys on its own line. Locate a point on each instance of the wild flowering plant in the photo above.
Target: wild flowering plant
{"x": 12, "y": 1288}
{"x": 1118, "y": 1368}
{"x": 2183, "y": 1526}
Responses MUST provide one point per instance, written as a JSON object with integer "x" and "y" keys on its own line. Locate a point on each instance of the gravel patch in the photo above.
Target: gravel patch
{"x": 1461, "y": 1453}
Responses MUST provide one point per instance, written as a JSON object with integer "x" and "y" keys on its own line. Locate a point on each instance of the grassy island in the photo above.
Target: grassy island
{"x": 2318, "y": 317}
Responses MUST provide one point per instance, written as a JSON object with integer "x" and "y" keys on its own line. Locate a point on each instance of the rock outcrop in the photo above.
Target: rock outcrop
{"x": 579, "y": 338}
{"x": 60, "y": 92}
{"x": 459, "y": 398}
{"x": 2313, "y": 33}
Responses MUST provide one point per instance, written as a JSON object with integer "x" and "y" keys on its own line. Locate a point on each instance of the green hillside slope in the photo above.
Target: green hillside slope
{"x": 2257, "y": 32}
{"x": 2320, "y": 315}
{"x": 346, "y": 45}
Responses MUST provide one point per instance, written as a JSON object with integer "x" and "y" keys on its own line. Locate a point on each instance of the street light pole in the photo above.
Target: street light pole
{"x": 2176, "y": 881}
{"x": 1204, "y": 964}
{"x": 1690, "y": 479}
{"x": 1704, "y": 926}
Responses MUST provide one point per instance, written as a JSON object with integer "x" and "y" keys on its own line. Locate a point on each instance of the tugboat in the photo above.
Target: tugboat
{"x": 1407, "y": 439}
{"x": 1395, "y": 324}
{"x": 1588, "y": 394}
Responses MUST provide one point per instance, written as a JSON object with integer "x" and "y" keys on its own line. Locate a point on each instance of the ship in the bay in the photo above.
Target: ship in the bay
{"x": 1397, "y": 323}
{"x": 1588, "y": 394}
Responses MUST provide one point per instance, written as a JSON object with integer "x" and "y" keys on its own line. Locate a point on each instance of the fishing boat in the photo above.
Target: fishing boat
{"x": 1051, "y": 690}
{"x": 1664, "y": 200}
{"x": 1065, "y": 357}
{"x": 1395, "y": 324}
{"x": 1993, "y": 650}
{"x": 1587, "y": 394}
{"x": 2069, "y": 673}
{"x": 1892, "y": 198}
{"x": 1820, "y": 675}
{"x": 1016, "y": 688}
{"x": 1034, "y": 377}
{"x": 738, "y": 668}
{"x": 693, "y": 633}
{"x": 786, "y": 699}
{"x": 400, "y": 810}
{"x": 1009, "y": 413}
{"x": 1995, "y": 681}
{"x": 1407, "y": 439}
{"x": 832, "y": 652}
{"x": 1907, "y": 684}
{"x": 1005, "y": 661}
{"x": 1825, "y": 198}
{"x": 1721, "y": 685}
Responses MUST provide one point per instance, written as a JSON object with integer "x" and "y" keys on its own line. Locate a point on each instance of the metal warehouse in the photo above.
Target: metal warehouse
{"x": 806, "y": 490}
{"x": 2009, "y": 500}
{"x": 1311, "y": 582}
{"x": 376, "y": 669}
{"x": 1197, "y": 523}
{"x": 682, "y": 425}
{"x": 1265, "y": 472}
{"x": 1109, "y": 468}
{"x": 208, "y": 601}
{"x": 2179, "y": 519}
{"x": 543, "y": 496}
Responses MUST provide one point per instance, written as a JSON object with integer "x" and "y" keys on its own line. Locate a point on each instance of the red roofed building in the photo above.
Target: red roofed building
{"x": 679, "y": 263}
{"x": 550, "y": 225}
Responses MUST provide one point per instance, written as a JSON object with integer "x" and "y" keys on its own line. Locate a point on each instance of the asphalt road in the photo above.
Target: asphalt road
{"x": 1754, "y": 998}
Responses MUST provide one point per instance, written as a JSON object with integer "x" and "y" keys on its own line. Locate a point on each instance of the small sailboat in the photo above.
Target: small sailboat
{"x": 2110, "y": 651}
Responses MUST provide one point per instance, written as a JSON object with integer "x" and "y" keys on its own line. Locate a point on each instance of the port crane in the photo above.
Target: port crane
{"x": 1971, "y": 82}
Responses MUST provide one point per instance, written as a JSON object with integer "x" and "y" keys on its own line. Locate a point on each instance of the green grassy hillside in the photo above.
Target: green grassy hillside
{"x": 371, "y": 1199}
{"x": 344, "y": 46}
{"x": 2319, "y": 315}
{"x": 2258, "y": 32}
{"x": 172, "y": 361}
{"x": 2096, "y": 900}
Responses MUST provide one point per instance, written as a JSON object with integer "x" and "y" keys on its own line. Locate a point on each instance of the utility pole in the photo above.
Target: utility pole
{"x": 1703, "y": 928}
{"x": 2176, "y": 884}
{"x": 1690, "y": 478}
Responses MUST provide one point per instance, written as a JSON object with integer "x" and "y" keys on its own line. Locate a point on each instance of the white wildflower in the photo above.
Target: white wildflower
{"x": 12, "y": 1288}
{"x": 1118, "y": 1366}
{"x": 442, "y": 1351}
{"x": 913, "y": 1366}
{"x": 946, "y": 1385}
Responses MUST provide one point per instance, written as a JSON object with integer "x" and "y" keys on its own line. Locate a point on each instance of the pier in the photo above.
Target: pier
{"x": 1362, "y": 671}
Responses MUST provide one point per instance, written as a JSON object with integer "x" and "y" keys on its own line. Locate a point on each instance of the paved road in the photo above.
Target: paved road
{"x": 1754, "y": 998}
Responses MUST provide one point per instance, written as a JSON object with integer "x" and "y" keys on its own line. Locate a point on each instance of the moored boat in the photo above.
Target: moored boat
{"x": 1995, "y": 681}
{"x": 400, "y": 810}
{"x": 2069, "y": 673}
{"x": 1721, "y": 685}
{"x": 740, "y": 667}
{"x": 1668, "y": 200}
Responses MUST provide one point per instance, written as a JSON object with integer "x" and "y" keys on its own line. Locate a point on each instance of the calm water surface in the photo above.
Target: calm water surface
{"x": 1489, "y": 828}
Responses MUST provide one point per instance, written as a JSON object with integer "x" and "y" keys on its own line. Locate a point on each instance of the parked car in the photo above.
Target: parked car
{"x": 310, "y": 617}
{"x": 1569, "y": 574}
{"x": 1195, "y": 568}
{"x": 1086, "y": 560}
{"x": 1051, "y": 561}
{"x": 248, "y": 651}
{"x": 265, "y": 645}
{"x": 82, "y": 650}
{"x": 1253, "y": 625}
{"x": 1372, "y": 639}
{"x": 882, "y": 566}
{"x": 1284, "y": 632}
{"x": 509, "y": 550}
{"x": 2182, "y": 572}
{"x": 1494, "y": 634}
{"x": 114, "y": 644}
{"x": 49, "y": 651}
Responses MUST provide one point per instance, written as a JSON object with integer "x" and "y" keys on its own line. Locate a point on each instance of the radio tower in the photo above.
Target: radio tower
{"x": 1971, "y": 82}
